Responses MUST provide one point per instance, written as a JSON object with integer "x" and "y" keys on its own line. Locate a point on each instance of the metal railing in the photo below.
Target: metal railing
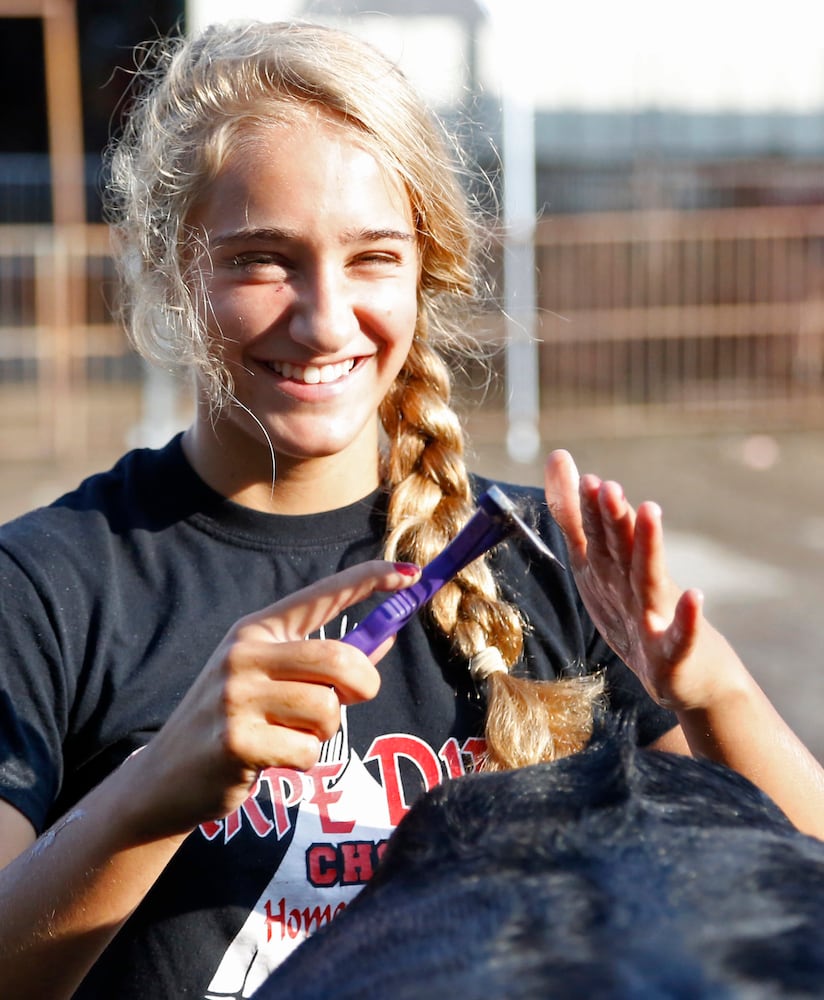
{"x": 64, "y": 361}
{"x": 647, "y": 320}
{"x": 683, "y": 318}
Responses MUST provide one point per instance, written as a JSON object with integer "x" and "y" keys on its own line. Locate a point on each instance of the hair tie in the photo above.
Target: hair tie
{"x": 488, "y": 661}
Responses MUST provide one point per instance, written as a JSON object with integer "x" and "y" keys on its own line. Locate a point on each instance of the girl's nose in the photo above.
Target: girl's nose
{"x": 324, "y": 317}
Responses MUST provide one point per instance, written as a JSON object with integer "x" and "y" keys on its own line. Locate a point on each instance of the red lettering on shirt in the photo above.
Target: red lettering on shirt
{"x": 358, "y": 863}
{"x": 322, "y": 797}
{"x": 231, "y": 825}
{"x": 286, "y": 790}
{"x": 322, "y": 865}
{"x": 261, "y": 824}
{"x": 211, "y": 828}
{"x": 287, "y": 787}
{"x": 295, "y": 923}
{"x": 450, "y": 754}
{"x": 348, "y": 863}
{"x": 459, "y": 760}
{"x": 475, "y": 749}
{"x": 386, "y": 750}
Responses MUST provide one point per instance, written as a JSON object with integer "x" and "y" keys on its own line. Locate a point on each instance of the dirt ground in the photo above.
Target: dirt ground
{"x": 744, "y": 516}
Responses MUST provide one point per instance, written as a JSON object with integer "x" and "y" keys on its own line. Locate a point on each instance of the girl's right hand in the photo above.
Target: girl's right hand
{"x": 267, "y": 697}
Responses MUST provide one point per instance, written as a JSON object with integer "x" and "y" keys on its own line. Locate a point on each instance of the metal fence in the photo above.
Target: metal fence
{"x": 683, "y": 318}
{"x": 68, "y": 378}
{"x": 646, "y": 320}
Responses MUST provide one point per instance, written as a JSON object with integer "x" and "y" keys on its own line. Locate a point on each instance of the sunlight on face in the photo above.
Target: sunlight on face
{"x": 310, "y": 286}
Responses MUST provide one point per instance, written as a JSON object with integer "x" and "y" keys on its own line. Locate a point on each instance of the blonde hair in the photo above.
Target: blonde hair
{"x": 202, "y": 95}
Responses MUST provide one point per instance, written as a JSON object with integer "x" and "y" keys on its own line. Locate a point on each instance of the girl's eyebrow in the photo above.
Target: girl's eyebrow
{"x": 374, "y": 235}
{"x": 276, "y": 234}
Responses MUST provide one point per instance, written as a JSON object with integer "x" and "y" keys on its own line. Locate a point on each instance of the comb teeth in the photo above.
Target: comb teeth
{"x": 498, "y": 506}
{"x": 496, "y": 502}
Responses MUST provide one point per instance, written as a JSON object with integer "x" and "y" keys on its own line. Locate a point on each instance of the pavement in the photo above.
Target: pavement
{"x": 744, "y": 521}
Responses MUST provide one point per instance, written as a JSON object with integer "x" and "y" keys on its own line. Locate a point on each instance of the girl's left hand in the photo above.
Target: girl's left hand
{"x": 617, "y": 556}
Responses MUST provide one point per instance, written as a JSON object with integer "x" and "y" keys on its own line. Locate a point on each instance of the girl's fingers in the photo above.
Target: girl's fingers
{"x": 318, "y": 662}
{"x": 647, "y": 557}
{"x": 305, "y": 611}
{"x": 289, "y": 747}
{"x": 309, "y": 708}
{"x": 651, "y": 581}
{"x": 589, "y": 490}
{"x": 683, "y": 632}
{"x": 617, "y": 524}
{"x": 561, "y": 484}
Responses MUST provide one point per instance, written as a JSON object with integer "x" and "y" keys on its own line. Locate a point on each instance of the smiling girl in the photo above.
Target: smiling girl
{"x": 190, "y": 784}
{"x": 308, "y": 263}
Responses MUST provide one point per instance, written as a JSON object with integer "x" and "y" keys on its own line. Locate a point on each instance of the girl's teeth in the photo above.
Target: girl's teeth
{"x": 313, "y": 374}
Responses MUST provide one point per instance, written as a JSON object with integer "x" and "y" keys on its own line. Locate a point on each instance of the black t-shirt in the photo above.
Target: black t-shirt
{"x": 111, "y": 602}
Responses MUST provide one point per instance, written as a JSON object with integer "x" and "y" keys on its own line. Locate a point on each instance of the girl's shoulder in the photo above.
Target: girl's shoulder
{"x": 138, "y": 492}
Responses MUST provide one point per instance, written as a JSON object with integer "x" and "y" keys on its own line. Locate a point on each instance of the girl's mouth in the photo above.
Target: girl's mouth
{"x": 311, "y": 374}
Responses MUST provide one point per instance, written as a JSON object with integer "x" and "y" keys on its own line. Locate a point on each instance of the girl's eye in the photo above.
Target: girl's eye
{"x": 260, "y": 265}
{"x": 377, "y": 259}
{"x": 255, "y": 259}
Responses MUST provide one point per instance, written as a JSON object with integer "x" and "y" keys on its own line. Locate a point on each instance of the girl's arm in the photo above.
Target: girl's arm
{"x": 685, "y": 664}
{"x": 267, "y": 697}
{"x": 63, "y": 899}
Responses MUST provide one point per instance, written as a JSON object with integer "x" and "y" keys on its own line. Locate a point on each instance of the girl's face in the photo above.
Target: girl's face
{"x": 310, "y": 283}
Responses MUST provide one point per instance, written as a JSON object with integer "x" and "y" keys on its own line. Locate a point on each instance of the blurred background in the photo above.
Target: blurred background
{"x": 658, "y": 254}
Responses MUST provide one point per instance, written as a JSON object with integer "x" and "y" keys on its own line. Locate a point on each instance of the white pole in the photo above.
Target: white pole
{"x": 159, "y": 409}
{"x": 516, "y": 66}
{"x": 523, "y": 439}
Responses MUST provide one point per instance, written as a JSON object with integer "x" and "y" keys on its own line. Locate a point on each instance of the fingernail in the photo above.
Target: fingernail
{"x": 407, "y": 569}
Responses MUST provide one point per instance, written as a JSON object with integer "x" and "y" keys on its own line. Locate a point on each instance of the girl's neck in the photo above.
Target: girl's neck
{"x": 305, "y": 486}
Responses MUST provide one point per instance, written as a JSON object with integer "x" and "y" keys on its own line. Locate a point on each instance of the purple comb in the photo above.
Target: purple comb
{"x": 494, "y": 520}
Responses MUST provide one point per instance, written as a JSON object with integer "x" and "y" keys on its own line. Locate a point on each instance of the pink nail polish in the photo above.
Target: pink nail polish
{"x": 407, "y": 569}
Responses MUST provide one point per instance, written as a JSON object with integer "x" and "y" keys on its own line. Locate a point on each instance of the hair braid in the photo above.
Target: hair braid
{"x": 527, "y": 721}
